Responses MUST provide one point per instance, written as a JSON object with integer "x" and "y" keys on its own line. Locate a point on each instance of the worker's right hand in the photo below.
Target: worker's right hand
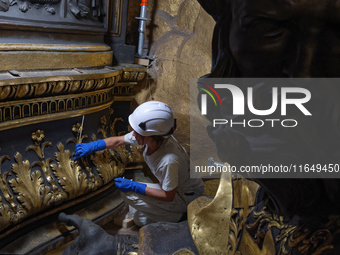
{"x": 126, "y": 185}
{"x": 85, "y": 149}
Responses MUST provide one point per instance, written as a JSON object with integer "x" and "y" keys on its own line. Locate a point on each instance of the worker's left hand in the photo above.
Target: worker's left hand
{"x": 126, "y": 185}
{"x": 85, "y": 149}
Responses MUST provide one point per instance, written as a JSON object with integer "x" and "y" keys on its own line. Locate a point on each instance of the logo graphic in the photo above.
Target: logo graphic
{"x": 281, "y": 98}
{"x": 239, "y": 99}
{"x": 204, "y": 97}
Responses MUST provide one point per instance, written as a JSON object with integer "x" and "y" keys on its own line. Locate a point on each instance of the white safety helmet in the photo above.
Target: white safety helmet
{"x": 153, "y": 118}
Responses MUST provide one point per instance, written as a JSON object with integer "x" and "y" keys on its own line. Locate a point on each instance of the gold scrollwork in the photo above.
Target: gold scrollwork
{"x": 292, "y": 239}
{"x": 265, "y": 220}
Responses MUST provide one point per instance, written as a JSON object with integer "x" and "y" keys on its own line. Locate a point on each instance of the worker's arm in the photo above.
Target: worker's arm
{"x": 160, "y": 194}
{"x": 85, "y": 149}
{"x": 114, "y": 141}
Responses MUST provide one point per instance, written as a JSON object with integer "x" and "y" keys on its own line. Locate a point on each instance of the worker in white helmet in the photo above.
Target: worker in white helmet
{"x": 153, "y": 124}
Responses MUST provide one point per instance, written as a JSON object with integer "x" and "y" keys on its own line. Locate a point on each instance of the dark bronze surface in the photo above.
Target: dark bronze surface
{"x": 283, "y": 39}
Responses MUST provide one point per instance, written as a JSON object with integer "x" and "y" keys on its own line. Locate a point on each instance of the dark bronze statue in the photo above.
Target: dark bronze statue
{"x": 267, "y": 38}
{"x": 92, "y": 238}
{"x": 282, "y": 39}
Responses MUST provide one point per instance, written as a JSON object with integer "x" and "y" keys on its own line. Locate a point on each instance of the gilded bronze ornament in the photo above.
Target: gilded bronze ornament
{"x": 33, "y": 187}
{"x": 253, "y": 229}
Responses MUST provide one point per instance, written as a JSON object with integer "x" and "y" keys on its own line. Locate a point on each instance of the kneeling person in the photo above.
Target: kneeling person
{"x": 153, "y": 124}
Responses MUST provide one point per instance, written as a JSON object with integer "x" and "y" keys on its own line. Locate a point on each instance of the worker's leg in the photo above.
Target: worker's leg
{"x": 141, "y": 219}
{"x": 153, "y": 210}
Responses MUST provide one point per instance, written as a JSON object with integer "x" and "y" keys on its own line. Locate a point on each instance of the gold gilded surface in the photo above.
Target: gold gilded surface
{"x": 37, "y": 99}
{"x": 47, "y": 237}
{"x": 46, "y": 183}
{"x": 244, "y": 193}
{"x": 249, "y": 246}
{"x": 61, "y": 86}
{"x": 51, "y": 47}
{"x": 263, "y": 217}
{"x": 32, "y": 60}
{"x": 217, "y": 225}
{"x": 32, "y": 111}
{"x": 183, "y": 252}
{"x": 250, "y": 230}
{"x": 133, "y": 76}
{"x": 209, "y": 225}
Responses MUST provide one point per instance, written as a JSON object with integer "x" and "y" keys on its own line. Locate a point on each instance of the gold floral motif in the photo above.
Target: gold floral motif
{"x": 76, "y": 129}
{"x": 57, "y": 195}
{"x": 38, "y": 137}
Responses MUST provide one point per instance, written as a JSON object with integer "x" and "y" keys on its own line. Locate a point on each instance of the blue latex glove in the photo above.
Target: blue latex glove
{"x": 126, "y": 185}
{"x": 85, "y": 149}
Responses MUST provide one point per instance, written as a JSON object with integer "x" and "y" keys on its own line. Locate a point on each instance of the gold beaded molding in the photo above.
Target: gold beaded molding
{"x": 38, "y": 97}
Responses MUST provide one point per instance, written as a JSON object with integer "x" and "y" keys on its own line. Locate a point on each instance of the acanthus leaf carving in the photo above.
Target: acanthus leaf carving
{"x": 5, "y": 212}
{"x": 235, "y": 230}
{"x": 106, "y": 167}
{"x": 29, "y": 186}
{"x": 69, "y": 174}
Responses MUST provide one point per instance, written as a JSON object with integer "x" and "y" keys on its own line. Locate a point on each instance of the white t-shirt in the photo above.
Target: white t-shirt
{"x": 171, "y": 166}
